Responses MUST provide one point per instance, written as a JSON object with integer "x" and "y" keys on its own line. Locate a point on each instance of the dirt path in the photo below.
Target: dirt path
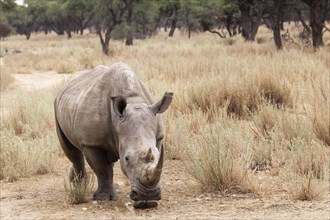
{"x": 38, "y": 81}
{"x": 43, "y": 197}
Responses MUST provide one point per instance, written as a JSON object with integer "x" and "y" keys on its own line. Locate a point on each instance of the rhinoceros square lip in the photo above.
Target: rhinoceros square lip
{"x": 144, "y": 204}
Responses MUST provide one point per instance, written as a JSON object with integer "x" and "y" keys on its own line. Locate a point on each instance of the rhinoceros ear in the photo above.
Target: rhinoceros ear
{"x": 162, "y": 105}
{"x": 119, "y": 104}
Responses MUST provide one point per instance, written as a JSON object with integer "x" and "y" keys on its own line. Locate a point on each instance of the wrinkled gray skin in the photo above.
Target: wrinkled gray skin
{"x": 108, "y": 114}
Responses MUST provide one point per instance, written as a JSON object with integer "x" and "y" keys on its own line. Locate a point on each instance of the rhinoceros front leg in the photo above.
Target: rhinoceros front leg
{"x": 103, "y": 169}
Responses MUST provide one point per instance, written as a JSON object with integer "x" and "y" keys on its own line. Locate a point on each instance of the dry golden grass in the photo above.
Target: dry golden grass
{"x": 5, "y": 76}
{"x": 219, "y": 157}
{"x": 237, "y": 105}
{"x": 79, "y": 188}
{"x": 28, "y": 140}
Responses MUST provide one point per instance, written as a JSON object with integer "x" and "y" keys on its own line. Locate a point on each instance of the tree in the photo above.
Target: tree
{"x": 129, "y": 37}
{"x": 272, "y": 16}
{"x": 251, "y": 12}
{"x": 7, "y": 9}
{"x": 5, "y": 30}
{"x": 188, "y": 15}
{"x": 277, "y": 18}
{"x": 170, "y": 9}
{"x": 27, "y": 18}
{"x": 319, "y": 9}
{"x": 145, "y": 24}
{"x": 230, "y": 16}
{"x": 209, "y": 16}
{"x": 56, "y": 17}
{"x": 108, "y": 15}
{"x": 80, "y": 12}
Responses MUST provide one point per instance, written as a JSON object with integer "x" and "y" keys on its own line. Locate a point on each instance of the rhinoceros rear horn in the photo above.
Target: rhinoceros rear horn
{"x": 162, "y": 105}
{"x": 119, "y": 105}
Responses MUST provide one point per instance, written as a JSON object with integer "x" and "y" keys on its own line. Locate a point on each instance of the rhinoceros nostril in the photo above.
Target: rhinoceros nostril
{"x": 134, "y": 195}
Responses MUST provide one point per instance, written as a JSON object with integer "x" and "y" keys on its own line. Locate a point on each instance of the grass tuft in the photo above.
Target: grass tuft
{"x": 78, "y": 189}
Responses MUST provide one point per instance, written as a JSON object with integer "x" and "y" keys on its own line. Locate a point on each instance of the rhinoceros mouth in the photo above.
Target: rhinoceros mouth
{"x": 145, "y": 204}
{"x": 145, "y": 196}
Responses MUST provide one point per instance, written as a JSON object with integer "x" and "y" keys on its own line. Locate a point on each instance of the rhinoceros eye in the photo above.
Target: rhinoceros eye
{"x": 126, "y": 159}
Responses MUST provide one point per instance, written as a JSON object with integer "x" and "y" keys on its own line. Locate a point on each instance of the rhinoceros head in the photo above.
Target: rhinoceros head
{"x": 140, "y": 151}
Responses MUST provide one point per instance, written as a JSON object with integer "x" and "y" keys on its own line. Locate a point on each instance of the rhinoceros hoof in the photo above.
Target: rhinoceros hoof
{"x": 145, "y": 204}
{"x": 104, "y": 196}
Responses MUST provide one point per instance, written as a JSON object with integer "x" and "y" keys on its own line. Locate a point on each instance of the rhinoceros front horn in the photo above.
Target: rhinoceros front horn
{"x": 153, "y": 175}
{"x": 159, "y": 165}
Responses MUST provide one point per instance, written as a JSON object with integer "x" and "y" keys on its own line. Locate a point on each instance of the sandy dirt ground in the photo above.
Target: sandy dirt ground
{"x": 43, "y": 197}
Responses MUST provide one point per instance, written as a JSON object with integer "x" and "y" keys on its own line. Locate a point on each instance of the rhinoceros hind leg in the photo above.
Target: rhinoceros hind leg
{"x": 103, "y": 169}
{"x": 73, "y": 154}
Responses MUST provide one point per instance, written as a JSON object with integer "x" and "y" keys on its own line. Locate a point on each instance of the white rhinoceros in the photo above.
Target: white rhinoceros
{"x": 108, "y": 114}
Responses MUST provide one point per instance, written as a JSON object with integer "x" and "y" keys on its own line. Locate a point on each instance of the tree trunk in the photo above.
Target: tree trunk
{"x": 317, "y": 13}
{"x": 129, "y": 37}
{"x": 228, "y": 23}
{"x": 28, "y": 35}
{"x": 105, "y": 41}
{"x": 173, "y": 23}
{"x": 189, "y": 30}
{"x": 317, "y": 19}
{"x": 302, "y": 20}
{"x": 277, "y": 24}
{"x": 250, "y": 20}
{"x": 68, "y": 32}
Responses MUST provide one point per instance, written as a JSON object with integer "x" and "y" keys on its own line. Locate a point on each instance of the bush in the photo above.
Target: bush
{"x": 5, "y": 30}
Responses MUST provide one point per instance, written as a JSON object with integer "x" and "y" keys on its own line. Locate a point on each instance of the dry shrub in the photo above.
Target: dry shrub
{"x": 261, "y": 40}
{"x": 263, "y": 156}
{"x": 65, "y": 66}
{"x": 85, "y": 61}
{"x": 218, "y": 158}
{"x": 303, "y": 187}
{"x": 229, "y": 41}
{"x": 177, "y": 137}
{"x": 307, "y": 169}
{"x": 322, "y": 124}
{"x": 26, "y": 158}
{"x": 31, "y": 116}
{"x": 77, "y": 189}
{"x": 308, "y": 159}
{"x": 275, "y": 91}
{"x": 265, "y": 120}
{"x": 240, "y": 99}
{"x": 321, "y": 109}
{"x": 211, "y": 97}
{"x": 278, "y": 124}
{"x": 275, "y": 131}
